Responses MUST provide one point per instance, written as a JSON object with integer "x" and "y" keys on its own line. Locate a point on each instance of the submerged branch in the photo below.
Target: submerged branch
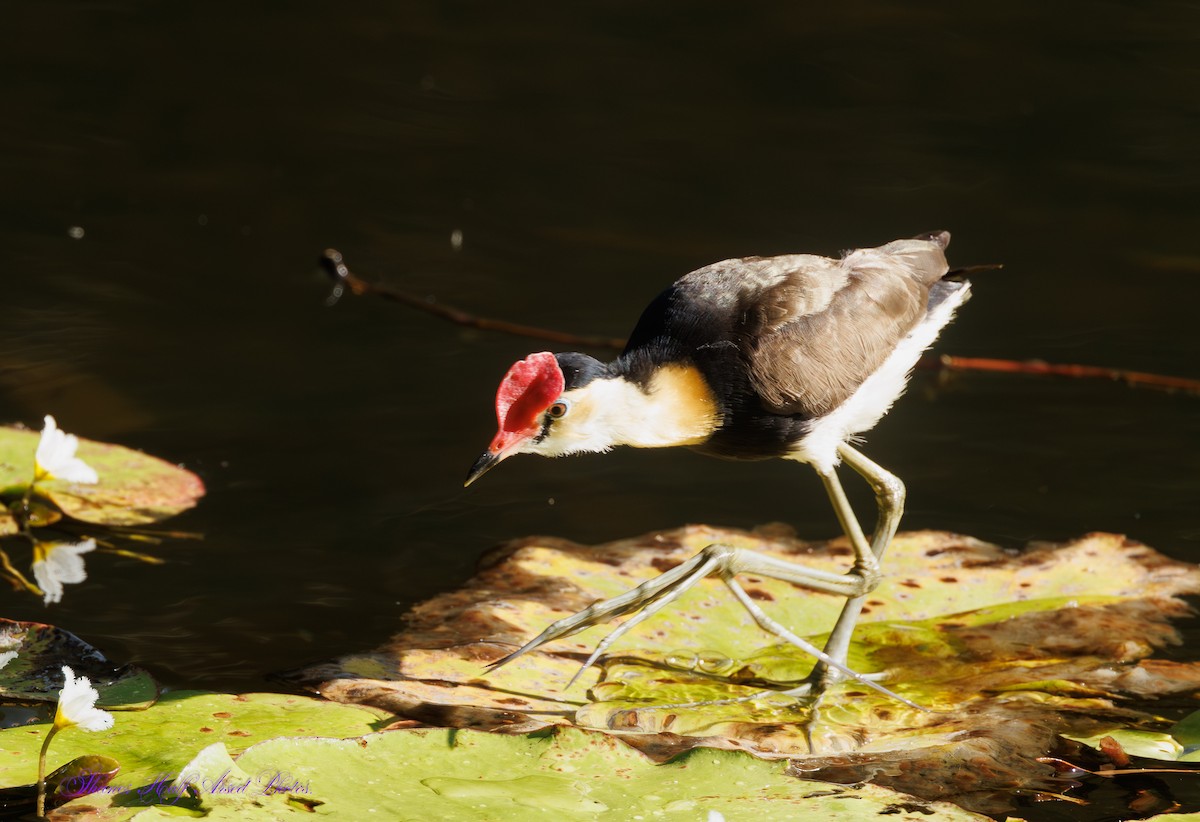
{"x": 333, "y": 264}
{"x": 1071, "y": 767}
{"x": 1142, "y": 379}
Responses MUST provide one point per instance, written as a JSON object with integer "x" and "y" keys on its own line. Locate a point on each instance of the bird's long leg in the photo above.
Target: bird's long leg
{"x": 725, "y": 562}
{"x": 771, "y": 626}
{"x": 823, "y": 658}
{"x": 866, "y": 563}
{"x": 889, "y": 496}
{"x": 669, "y": 584}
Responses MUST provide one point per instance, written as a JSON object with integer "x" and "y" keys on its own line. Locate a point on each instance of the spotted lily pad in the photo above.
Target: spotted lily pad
{"x": 157, "y": 743}
{"x": 1006, "y": 649}
{"x": 134, "y": 488}
{"x": 466, "y": 776}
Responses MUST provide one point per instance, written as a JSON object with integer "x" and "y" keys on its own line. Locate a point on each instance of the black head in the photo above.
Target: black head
{"x": 579, "y": 369}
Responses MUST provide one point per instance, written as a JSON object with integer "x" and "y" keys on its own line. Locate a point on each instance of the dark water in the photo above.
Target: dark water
{"x": 588, "y": 154}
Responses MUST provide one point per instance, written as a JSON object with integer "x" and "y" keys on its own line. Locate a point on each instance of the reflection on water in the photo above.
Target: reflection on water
{"x": 559, "y": 171}
{"x": 56, "y": 564}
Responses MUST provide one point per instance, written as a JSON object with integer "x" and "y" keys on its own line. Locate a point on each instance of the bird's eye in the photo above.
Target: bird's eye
{"x": 558, "y": 410}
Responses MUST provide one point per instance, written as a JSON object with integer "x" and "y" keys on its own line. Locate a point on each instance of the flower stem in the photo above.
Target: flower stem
{"x": 41, "y": 795}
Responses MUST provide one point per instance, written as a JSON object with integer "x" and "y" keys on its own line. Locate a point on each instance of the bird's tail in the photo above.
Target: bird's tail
{"x": 939, "y": 238}
{"x": 942, "y": 239}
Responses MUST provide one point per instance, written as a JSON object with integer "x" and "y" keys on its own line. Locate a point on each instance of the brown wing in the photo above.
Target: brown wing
{"x": 812, "y": 335}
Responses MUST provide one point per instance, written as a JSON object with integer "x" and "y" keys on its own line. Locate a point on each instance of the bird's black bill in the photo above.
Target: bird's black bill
{"x": 487, "y": 460}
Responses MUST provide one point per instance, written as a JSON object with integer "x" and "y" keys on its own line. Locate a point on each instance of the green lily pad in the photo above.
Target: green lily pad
{"x": 134, "y": 488}
{"x": 1147, "y": 744}
{"x": 164, "y": 738}
{"x": 1187, "y": 731}
{"x": 461, "y": 776}
{"x": 35, "y": 673}
{"x": 1006, "y": 649}
{"x": 1180, "y": 743}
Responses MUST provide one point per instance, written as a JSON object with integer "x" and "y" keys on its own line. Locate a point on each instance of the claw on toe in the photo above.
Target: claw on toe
{"x": 504, "y": 660}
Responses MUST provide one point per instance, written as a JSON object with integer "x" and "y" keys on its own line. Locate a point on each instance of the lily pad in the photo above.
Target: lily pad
{"x": 1187, "y": 731}
{"x": 1146, "y": 744}
{"x": 1006, "y": 649}
{"x": 35, "y": 673}
{"x": 159, "y": 742}
{"x": 457, "y": 776}
{"x": 1180, "y": 743}
{"x": 134, "y": 488}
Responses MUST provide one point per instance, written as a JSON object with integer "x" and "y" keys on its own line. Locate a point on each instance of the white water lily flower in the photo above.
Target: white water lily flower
{"x": 76, "y": 709}
{"x": 56, "y": 564}
{"x": 77, "y": 705}
{"x": 7, "y": 657}
{"x": 55, "y": 457}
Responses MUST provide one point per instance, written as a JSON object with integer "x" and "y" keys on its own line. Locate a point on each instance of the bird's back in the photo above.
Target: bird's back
{"x": 790, "y": 337}
{"x": 814, "y": 338}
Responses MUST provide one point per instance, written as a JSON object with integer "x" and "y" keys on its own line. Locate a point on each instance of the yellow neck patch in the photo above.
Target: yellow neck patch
{"x": 683, "y": 404}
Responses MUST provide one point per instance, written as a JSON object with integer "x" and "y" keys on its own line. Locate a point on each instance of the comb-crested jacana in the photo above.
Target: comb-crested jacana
{"x": 751, "y": 358}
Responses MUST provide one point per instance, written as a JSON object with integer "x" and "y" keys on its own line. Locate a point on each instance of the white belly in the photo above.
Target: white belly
{"x": 864, "y": 408}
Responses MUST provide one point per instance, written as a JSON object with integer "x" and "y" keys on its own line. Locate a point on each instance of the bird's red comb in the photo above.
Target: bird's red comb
{"x": 528, "y": 389}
